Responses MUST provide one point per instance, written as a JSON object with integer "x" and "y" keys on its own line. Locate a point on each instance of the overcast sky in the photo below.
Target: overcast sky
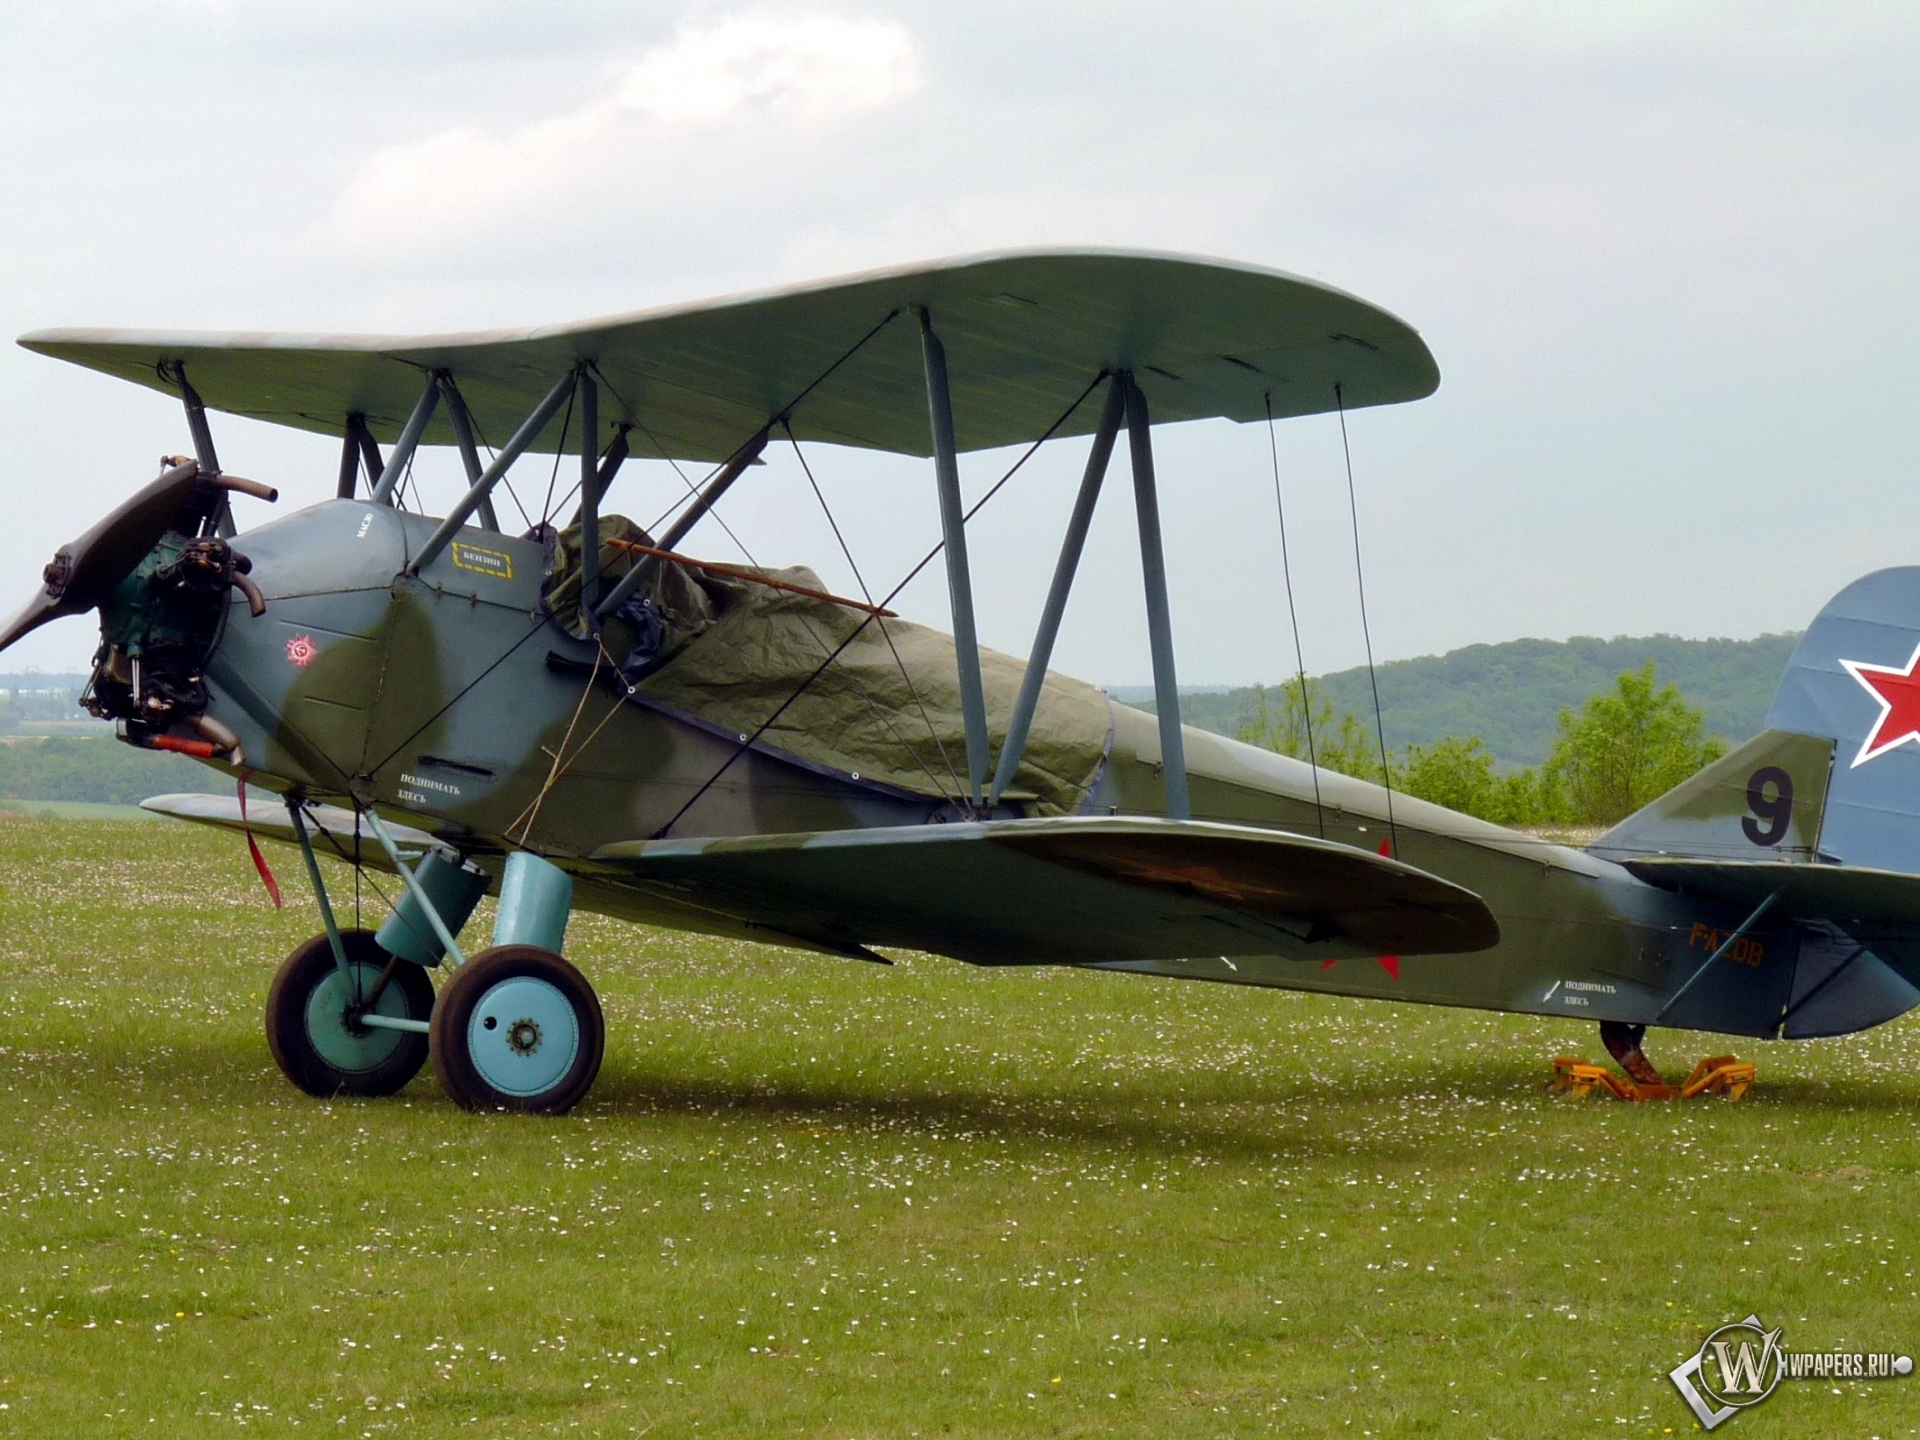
{"x": 1665, "y": 256}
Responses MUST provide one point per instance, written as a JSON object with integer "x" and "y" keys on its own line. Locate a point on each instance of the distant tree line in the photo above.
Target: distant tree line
{"x": 100, "y": 770}
{"x": 1511, "y": 694}
{"x": 1629, "y": 743}
{"x": 29, "y": 701}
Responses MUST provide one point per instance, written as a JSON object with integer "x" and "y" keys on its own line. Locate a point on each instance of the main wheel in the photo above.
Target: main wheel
{"x": 315, "y": 1040}
{"x": 518, "y": 1028}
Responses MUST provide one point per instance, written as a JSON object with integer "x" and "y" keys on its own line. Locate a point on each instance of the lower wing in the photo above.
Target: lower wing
{"x": 1071, "y": 890}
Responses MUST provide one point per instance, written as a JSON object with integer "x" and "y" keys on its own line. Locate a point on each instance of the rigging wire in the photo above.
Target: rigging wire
{"x": 1293, "y": 614}
{"x": 885, "y": 634}
{"x": 693, "y": 492}
{"x": 785, "y": 410}
{"x": 506, "y": 482}
{"x": 1360, "y": 580}
{"x": 559, "y": 449}
{"x": 539, "y": 624}
{"x": 359, "y": 865}
{"x": 892, "y": 595}
{"x": 407, "y": 481}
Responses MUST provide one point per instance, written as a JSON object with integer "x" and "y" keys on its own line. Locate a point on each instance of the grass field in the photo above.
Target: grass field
{"x": 819, "y": 1198}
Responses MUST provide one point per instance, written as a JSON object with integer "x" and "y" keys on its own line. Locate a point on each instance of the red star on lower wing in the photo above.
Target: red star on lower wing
{"x": 1897, "y": 690}
{"x": 1391, "y": 963}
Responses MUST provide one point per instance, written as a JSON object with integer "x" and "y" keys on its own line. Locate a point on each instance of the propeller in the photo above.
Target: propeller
{"x": 84, "y": 574}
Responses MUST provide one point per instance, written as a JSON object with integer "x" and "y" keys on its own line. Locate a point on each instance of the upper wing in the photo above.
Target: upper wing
{"x": 1065, "y": 891}
{"x": 1025, "y": 333}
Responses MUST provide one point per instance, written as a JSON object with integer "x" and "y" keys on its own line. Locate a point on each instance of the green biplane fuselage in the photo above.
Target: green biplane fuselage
{"x": 445, "y": 698}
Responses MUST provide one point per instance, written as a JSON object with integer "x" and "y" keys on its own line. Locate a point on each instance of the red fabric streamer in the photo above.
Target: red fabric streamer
{"x": 253, "y": 847}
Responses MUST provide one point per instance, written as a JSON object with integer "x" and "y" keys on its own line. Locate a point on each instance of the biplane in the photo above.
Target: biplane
{"x": 593, "y": 714}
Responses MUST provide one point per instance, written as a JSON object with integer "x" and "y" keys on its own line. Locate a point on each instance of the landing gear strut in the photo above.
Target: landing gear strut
{"x": 515, "y": 1027}
{"x": 1623, "y": 1043}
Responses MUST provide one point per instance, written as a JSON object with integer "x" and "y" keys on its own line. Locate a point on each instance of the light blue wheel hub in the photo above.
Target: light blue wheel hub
{"x": 523, "y": 1036}
{"x": 354, "y": 1052}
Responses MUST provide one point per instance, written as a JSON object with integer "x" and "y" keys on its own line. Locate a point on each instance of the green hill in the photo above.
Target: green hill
{"x": 1511, "y": 695}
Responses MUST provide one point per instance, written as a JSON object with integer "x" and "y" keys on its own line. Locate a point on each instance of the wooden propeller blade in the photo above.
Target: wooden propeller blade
{"x": 87, "y": 571}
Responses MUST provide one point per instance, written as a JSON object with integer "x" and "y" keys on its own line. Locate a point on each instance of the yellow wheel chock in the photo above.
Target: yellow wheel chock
{"x": 1726, "y": 1075}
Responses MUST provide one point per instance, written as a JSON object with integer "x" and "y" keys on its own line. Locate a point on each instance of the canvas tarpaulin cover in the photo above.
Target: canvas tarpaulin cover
{"x": 734, "y": 652}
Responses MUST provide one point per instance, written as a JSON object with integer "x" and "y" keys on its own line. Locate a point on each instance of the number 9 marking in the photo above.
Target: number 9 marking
{"x": 1767, "y": 825}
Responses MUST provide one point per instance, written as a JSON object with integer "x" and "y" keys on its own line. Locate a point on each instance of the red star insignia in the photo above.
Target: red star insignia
{"x": 1897, "y": 690}
{"x": 1391, "y": 963}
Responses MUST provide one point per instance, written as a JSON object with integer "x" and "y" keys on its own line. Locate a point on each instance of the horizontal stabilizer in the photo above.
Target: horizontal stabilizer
{"x": 1763, "y": 801}
{"x": 1070, "y": 890}
{"x": 1844, "y": 894}
{"x": 1839, "y": 985}
{"x": 331, "y": 828}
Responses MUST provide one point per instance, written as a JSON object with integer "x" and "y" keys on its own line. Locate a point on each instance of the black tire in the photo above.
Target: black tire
{"x": 311, "y": 1039}
{"x": 518, "y": 1028}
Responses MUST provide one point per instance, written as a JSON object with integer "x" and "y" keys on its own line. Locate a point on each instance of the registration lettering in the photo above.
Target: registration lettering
{"x": 1745, "y": 951}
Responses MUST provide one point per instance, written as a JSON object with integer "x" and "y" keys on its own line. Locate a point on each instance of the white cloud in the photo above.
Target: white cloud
{"x": 762, "y": 72}
{"x": 809, "y": 69}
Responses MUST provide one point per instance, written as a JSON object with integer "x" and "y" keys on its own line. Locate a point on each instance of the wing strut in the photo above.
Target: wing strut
{"x": 220, "y": 522}
{"x": 1076, "y": 538}
{"x": 611, "y": 459}
{"x": 349, "y": 479}
{"x": 1153, "y": 569}
{"x": 953, "y": 530}
{"x": 528, "y": 432}
{"x": 358, "y": 450}
{"x": 462, "y": 423}
{"x": 589, "y": 494}
{"x": 401, "y": 455}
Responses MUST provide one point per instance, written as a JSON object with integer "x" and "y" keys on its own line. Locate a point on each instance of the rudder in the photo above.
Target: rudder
{"x": 1853, "y": 678}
